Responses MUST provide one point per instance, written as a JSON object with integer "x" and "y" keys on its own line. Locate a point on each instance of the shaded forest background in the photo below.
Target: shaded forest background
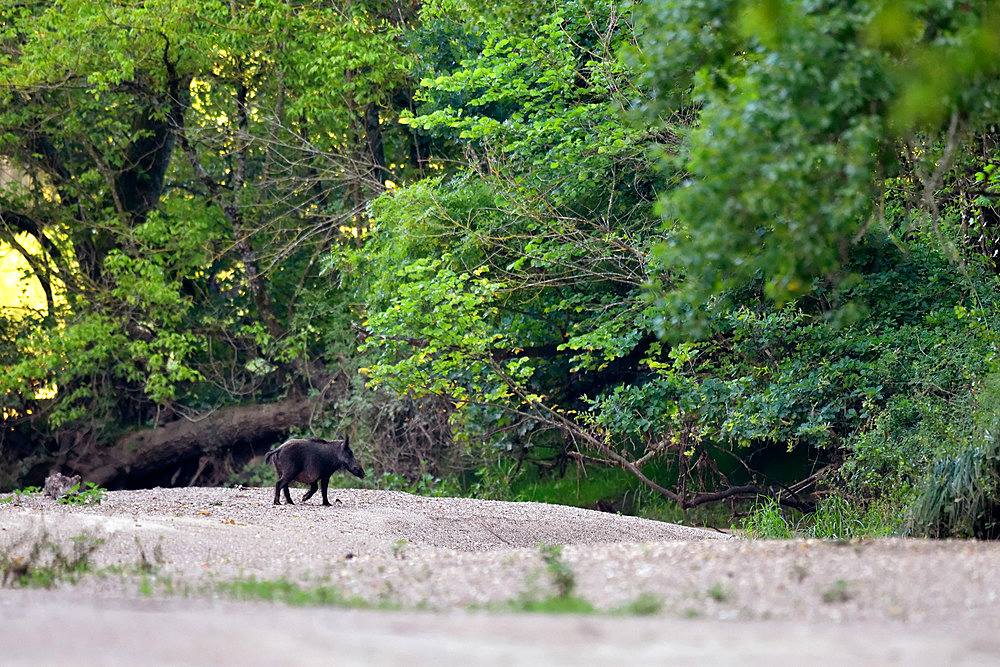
{"x": 647, "y": 257}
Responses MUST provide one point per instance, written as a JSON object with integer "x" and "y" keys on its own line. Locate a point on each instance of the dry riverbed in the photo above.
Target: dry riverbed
{"x": 453, "y": 568}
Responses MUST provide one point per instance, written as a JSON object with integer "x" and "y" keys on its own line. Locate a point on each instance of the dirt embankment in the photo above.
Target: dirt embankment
{"x": 882, "y": 601}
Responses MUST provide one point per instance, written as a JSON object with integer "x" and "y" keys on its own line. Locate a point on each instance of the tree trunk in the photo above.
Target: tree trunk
{"x": 150, "y": 453}
{"x": 375, "y": 145}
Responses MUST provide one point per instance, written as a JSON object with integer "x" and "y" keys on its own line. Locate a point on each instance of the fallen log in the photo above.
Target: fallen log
{"x": 145, "y": 453}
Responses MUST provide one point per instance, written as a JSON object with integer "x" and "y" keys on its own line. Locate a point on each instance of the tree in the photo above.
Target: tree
{"x": 796, "y": 290}
{"x": 516, "y": 288}
{"x": 810, "y": 117}
{"x": 829, "y": 133}
{"x": 183, "y": 167}
{"x": 752, "y": 255}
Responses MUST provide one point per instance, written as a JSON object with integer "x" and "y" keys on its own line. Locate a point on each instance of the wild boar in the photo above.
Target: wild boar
{"x": 311, "y": 460}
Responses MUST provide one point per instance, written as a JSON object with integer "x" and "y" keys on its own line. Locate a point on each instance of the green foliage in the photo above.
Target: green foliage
{"x": 563, "y": 577}
{"x": 767, "y": 522}
{"x": 560, "y": 577}
{"x": 83, "y": 494}
{"x": 541, "y": 95}
{"x": 718, "y": 593}
{"x": 178, "y": 165}
{"x": 572, "y": 489}
{"x": 282, "y": 590}
{"x": 801, "y": 106}
{"x": 838, "y": 518}
{"x": 38, "y": 561}
{"x": 710, "y": 244}
{"x": 492, "y": 289}
{"x": 554, "y": 605}
{"x": 254, "y": 475}
{"x": 485, "y": 288}
{"x": 787, "y": 379}
{"x": 79, "y": 494}
{"x": 644, "y": 605}
{"x": 442, "y": 305}
{"x": 18, "y": 495}
{"x": 957, "y": 494}
{"x": 839, "y": 591}
{"x": 425, "y": 485}
{"x": 835, "y": 518}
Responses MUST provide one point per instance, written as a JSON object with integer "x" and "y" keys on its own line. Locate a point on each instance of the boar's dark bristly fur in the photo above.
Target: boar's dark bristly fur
{"x": 310, "y": 461}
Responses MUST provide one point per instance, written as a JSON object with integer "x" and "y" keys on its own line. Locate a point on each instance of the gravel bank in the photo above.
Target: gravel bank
{"x": 394, "y": 548}
{"x": 452, "y": 555}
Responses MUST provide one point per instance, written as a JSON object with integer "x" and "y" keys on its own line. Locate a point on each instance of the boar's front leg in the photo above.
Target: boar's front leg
{"x": 326, "y": 482}
{"x": 309, "y": 494}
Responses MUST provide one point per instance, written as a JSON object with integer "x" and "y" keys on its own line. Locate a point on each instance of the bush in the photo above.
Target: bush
{"x": 957, "y": 497}
{"x": 766, "y": 521}
{"x": 835, "y": 518}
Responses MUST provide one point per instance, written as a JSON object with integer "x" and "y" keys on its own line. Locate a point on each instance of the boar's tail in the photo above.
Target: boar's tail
{"x": 270, "y": 454}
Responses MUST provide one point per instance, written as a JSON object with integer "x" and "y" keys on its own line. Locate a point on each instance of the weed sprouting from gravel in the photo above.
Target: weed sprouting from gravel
{"x": 554, "y": 605}
{"x": 839, "y": 591}
{"x": 644, "y": 605}
{"x": 282, "y": 590}
{"x": 399, "y": 549}
{"x": 561, "y": 574}
{"x": 39, "y": 561}
{"x": 18, "y": 495}
{"x": 83, "y": 494}
{"x": 718, "y": 593}
{"x": 146, "y": 564}
{"x": 561, "y": 577}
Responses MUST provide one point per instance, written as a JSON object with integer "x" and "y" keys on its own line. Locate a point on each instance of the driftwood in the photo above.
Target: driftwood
{"x": 144, "y": 454}
{"x": 58, "y": 486}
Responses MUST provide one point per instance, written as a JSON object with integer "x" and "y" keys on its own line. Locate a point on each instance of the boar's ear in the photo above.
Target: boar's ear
{"x": 347, "y": 439}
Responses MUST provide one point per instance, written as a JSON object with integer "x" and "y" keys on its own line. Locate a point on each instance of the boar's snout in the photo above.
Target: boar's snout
{"x": 350, "y": 462}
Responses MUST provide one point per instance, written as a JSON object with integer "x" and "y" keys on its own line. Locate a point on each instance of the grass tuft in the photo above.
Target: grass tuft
{"x": 834, "y": 519}
{"x": 40, "y": 562}
{"x": 282, "y": 590}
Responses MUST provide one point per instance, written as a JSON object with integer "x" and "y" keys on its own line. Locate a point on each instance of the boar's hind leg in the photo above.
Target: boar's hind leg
{"x": 310, "y": 492}
{"x": 282, "y": 485}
